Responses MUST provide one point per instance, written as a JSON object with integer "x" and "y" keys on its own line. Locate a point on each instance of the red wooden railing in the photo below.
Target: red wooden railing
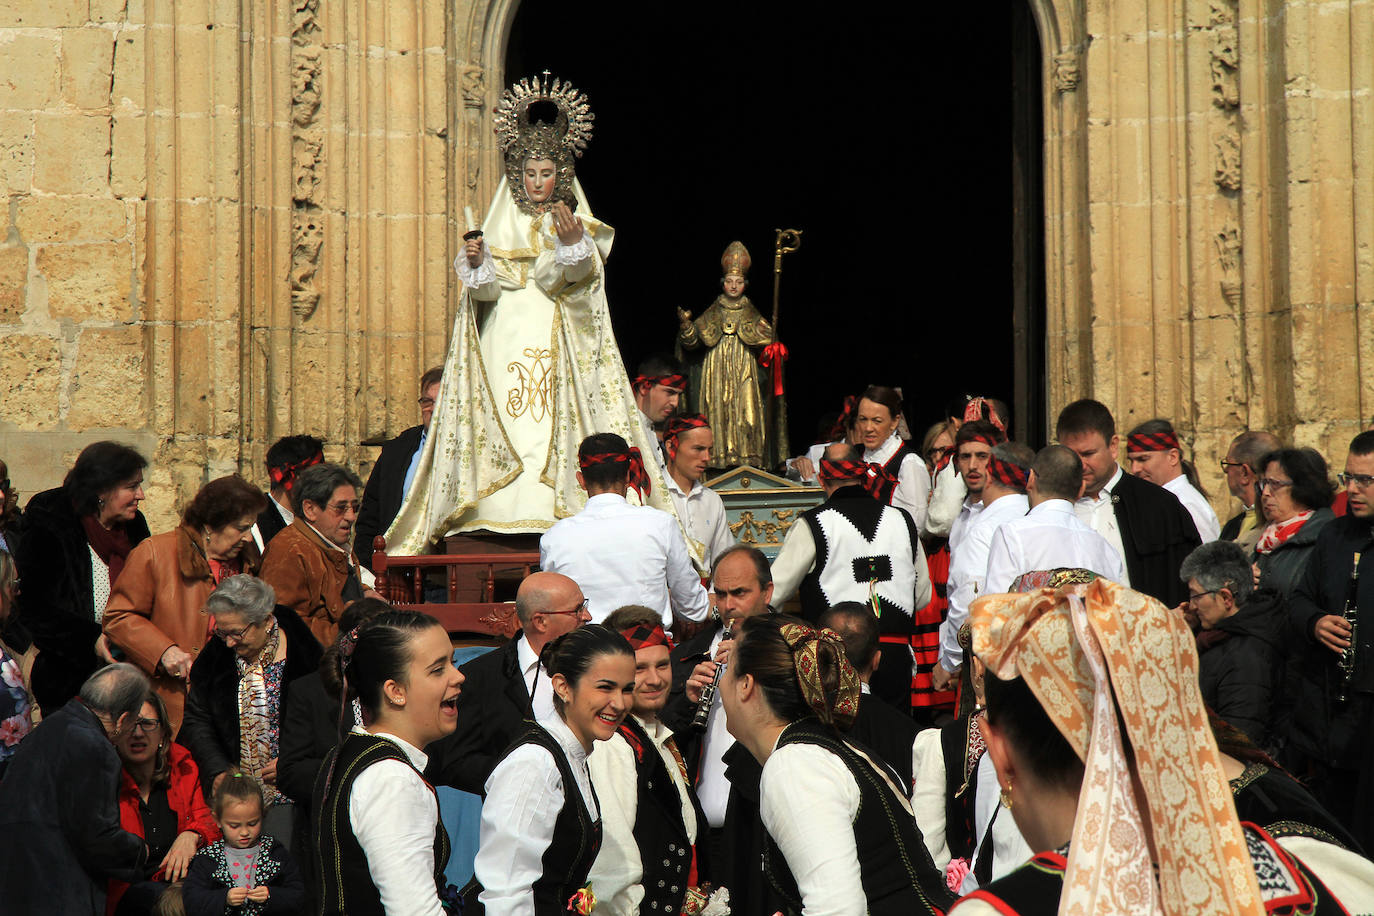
{"x": 401, "y": 581}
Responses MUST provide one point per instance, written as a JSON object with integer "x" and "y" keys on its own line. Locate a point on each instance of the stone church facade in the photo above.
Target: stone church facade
{"x": 225, "y": 220}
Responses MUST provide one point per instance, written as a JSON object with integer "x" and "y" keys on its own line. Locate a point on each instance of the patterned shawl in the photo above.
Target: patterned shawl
{"x": 1074, "y": 646}
{"x": 257, "y": 739}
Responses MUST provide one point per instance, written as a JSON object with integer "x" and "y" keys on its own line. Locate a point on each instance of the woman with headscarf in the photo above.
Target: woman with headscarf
{"x": 73, "y": 543}
{"x": 842, "y": 837}
{"x": 1107, "y": 762}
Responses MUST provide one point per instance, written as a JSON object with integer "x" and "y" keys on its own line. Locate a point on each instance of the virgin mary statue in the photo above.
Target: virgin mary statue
{"x": 533, "y": 367}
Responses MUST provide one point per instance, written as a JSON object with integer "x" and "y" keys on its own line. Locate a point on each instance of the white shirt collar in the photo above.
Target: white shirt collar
{"x": 1106, "y": 492}
{"x": 606, "y": 499}
{"x": 1053, "y": 507}
{"x": 328, "y": 542}
{"x": 882, "y": 453}
{"x": 672, "y": 485}
{"x": 555, "y": 726}
{"x": 525, "y": 655}
{"x": 284, "y": 511}
{"x": 417, "y": 757}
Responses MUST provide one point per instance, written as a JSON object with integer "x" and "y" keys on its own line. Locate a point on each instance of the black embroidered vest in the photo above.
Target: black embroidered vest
{"x": 343, "y": 882}
{"x": 659, "y": 831}
{"x": 895, "y": 868}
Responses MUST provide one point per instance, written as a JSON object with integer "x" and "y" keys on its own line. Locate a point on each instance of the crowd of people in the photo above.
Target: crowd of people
{"x": 227, "y": 717}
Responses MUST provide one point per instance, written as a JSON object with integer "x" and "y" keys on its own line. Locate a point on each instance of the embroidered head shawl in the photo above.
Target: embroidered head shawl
{"x": 804, "y": 641}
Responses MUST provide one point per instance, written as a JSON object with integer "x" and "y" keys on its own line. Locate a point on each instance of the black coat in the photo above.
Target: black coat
{"x": 56, "y": 604}
{"x": 1324, "y": 729}
{"x": 1282, "y": 568}
{"x": 492, "y": 712}
{"x": 1231, "y": 530}
{"x": 309, "y": 731}
{"x": 1241, "y": 675}
{"x": 208, "y": 881}
{"x": 1157, "y": 533}
{"x": 384, "y": 491}
{"x": 210, "y": 730}
{"x": 270, "y": 523}
{"x": 886, "y": 732}
{"x": 60, "y": 838}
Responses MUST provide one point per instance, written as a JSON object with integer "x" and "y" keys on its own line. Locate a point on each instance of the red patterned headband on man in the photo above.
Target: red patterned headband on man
{"x": 638, "y": 477}
{"x": 642, "y": 637}
{"x": 987, "y": 440}
{"x": 840, "y": 430}
{"x": 667, "y": 381}
{"x": 871, "y": 476}
{"x": 1006, "y": 473}
{"x": 677, "y": 425}
{"x": 285, "y": 476}
{"x": 1152, "y": 442}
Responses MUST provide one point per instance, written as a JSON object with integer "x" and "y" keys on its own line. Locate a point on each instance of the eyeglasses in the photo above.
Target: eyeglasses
{"x": 235, "y": 635}
{"x": 939, "y": 451}
{"x": 146, "y": 726}
{"x": 1268, "y": 483}
{"x": 1230, "y": 464}
{"x": 576, "y": 610}
{"x": 1363, "y": 481}
{"x": 425, "y": 402}
{"x": 340, "y": 508}
{"x": 1194, "y": 597}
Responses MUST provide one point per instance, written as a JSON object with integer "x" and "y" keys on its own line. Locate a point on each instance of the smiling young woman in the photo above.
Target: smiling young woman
{"x": 541, "y": 822}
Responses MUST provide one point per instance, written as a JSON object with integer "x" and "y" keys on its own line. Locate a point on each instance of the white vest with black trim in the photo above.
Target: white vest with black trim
{"x": 859, "y": 539}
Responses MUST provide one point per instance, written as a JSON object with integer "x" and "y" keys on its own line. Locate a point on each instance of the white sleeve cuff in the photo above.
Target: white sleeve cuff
{"x": 474, "y": 277}
{"x": 574, "y": 254}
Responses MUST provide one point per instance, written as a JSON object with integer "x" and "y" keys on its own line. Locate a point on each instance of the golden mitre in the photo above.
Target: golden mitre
{"x": 735, "y": 262}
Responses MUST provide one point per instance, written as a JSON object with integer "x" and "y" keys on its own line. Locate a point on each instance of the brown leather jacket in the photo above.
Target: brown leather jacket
{"x": 309, "y": 576}
{"x": 159, "y": 601}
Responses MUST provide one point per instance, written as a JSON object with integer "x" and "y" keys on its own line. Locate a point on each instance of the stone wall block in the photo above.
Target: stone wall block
{"x": 68, "y": 219}
{"x": 109, "y": 10}
{"x": 130, "y": 74}
{"x": 29, "y": 66}
{"x": 87, "y": 62}
{"x": 195, "y": 359}
{"x": 30, "y": 379}
{"x": 43, "y": 14}
{"x": 108, "y": 384}
{"x": 16, "y": 150}
{"x": 129, "y": 156}
{"x": 72, "y": 153}
{"x": 14, "y": 280}
{"x": 88, "y": 282}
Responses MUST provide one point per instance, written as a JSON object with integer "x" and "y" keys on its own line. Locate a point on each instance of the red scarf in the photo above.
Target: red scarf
{"x": 111, "y": 545}
{"x": 868, "y": 475}
{"x": 638, "y": 477}
{"x": 1278, "y": 532}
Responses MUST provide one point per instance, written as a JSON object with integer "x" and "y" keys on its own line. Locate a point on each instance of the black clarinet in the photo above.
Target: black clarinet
{"x": 708, "y": 693}
{"x": 1351, "y": 614}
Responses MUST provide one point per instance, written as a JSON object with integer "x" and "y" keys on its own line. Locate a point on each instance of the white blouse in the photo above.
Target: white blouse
{"x": 524, "y": 796}
{"x": 913, "y": 479}
{"x": 100, "y": 584}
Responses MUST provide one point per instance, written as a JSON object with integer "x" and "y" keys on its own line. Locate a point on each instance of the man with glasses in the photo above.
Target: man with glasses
{"x": 395, "y": 469}
{"x": 507, "y": 686}
{"x": 309, "y": 563}
{"x": 1329, "y": 744}
{"x": 1243, "y": 471}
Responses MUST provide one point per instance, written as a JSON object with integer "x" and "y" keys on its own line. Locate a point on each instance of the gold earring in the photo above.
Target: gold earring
{"x": 1006, "y": 796}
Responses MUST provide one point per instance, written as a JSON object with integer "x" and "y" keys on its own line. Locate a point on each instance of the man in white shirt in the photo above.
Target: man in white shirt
{"x": 658, "y": 388}
{"x": 1145, "y": 523}
{"x": 1050, "y": 536}
{"x": 688, "y": 441}
{"x": 1003, "y": 489}
{"x": 618, "y": 553}
{"x": 973, "y": 445}
{"x": 1154, "y": 454}
{"x": 507, "y": 686}
{"x": 649, "y": 814}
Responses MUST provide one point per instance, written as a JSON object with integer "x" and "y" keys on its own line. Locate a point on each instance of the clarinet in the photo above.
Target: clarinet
{"x": 708, "y": 693}
{"x": 1351, "y": 614}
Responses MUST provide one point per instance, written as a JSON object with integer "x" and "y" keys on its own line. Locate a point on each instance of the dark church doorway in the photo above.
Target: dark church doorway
{"x": 885, "y": 133}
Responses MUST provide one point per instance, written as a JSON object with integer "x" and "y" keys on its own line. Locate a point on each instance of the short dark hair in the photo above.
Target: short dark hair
{"x": 1252, "y": 445}
{"x": 238, "y": 787}
{"x": 1312, "y": 487}
{"x": 1058, "y": 472}
{"x": 290, "y": 450}
{"x": 632, "y": 615}
{"x": 1220, "y": 564}
{"x": 890, "y": 398}
{"x": 432, "y": 376}
{"x": 1363, "y": 444}
{"x": 318, "y": 482}
{"x": 608, "y": 473}
{"x": 100, "y": 468}
{"x": 572, "y": 653}
{"x": 222, "y": 502}
{"x": 1085, "y": 416}
{"x": 659, "y": 364}
{"x": 761, "y": 567}
{"x": 858, "y": 627}
{"x": 1016, "y": 713}
{"x": 975, "y": 429}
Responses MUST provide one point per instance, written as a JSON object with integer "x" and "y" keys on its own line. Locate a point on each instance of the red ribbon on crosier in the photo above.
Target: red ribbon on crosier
{"x": 772, "y": 357}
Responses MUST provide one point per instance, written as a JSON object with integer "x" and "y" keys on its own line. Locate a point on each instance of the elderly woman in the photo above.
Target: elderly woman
{"x": 159, "y": 800}
{"x": 73, "y": 544}
{"x": 1093, "y": 709}
{"x": 1296, "y": 495}
{"x": 1241, "y": 646}
{"x": 239, "y": 687}
{"x": 18, "y": 710}
{"x": 156, "y": 611}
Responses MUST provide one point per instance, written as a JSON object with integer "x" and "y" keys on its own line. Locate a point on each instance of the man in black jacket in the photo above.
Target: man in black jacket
{"x": 285, "y": 460}
{"x": 1331, "y": 719}
{"x": 496, "y": 700}
{"x": 1144, "y": 522}
{"x": 391, "y": 475}
{"x": 60, "y": 836}
{"x": 1243, "y": 469}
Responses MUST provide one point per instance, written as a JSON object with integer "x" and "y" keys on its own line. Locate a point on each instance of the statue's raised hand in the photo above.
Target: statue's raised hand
{"x": 684, "y": 318}
{"x": 472, "y": 250}
{"x": 567, "y": 226}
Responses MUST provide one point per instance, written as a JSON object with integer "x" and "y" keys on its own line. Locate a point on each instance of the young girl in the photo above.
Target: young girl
{"x": 247, "y": 873}
{"x": 541, "y": 823}
{"x": 380, "y": 846}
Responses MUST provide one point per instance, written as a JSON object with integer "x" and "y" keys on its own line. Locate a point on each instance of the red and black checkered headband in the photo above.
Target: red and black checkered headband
{"x": 840, "y": 430}
{"x": 1006, "y": 473}
{"x": 642, "y": 637}
{"x": 1152, "y": 442}
{"x": 871, "y": 476}
{"x": 285, "y": 476}
{"x": 677, "y": 425}
{"x": 638, "y": 477}
{"x": 986, "y": 440}
{"x": 667, "y": 381}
